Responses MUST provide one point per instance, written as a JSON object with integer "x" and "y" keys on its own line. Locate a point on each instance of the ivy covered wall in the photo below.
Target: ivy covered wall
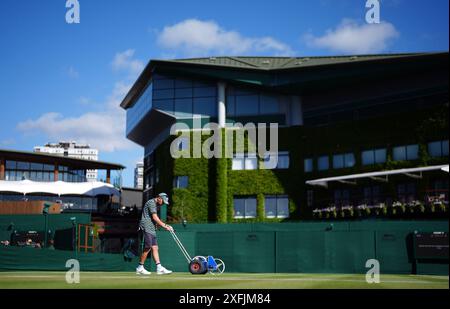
{"x": 204, "y": 201}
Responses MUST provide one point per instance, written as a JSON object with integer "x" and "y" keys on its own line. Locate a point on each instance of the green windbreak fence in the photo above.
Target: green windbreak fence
{"x": 15, "y": 258}
{"x": 37, "y": 222}
{"x": 307, "y": 247}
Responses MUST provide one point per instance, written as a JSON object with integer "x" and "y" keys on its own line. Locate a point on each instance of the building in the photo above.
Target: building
{"x": 357, "y": 134}
{"x": 139, "y": 176}
{"x": 30, "y": 176}
{"x": 72, "y": 150}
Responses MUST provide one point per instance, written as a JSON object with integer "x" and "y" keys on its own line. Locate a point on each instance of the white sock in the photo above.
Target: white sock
{"x": 140, "y": 267}
{"x": 159, "y": 266}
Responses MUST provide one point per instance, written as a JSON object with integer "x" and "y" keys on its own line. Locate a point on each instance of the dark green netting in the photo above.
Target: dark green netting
{"x": 314, "y": 247}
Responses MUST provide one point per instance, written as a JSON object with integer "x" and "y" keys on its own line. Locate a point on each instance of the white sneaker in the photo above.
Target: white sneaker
{"x": 142, "y": 271}
{"x": 163, "y": 271}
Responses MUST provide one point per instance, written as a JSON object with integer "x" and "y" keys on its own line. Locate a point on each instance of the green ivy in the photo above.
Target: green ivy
{"x": 213, "y": 185}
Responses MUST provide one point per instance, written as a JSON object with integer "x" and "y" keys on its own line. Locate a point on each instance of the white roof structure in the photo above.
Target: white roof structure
{"x": 406, "y": 171}
{"x": 58, "y": 188}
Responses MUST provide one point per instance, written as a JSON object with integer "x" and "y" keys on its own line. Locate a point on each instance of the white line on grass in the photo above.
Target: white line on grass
{"x": 219, "y": 278}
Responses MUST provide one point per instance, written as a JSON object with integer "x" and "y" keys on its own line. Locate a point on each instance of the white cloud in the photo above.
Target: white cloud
{"x": 353, "y": 38}
{"x": 195, "y": 37}
{"x": 124, "y": 61}
{"x": 103, "y": 127}
{"x": 103, "y": 130}
{"x": 72, "y": 73}
{"x": 84, "y": 100}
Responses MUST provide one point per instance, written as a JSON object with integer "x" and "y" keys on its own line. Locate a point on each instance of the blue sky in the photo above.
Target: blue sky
{"x": 65, "y": 81}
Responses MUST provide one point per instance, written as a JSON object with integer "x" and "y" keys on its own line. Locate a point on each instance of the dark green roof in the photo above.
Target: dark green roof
{"x": 277, "y": 71}
{"x": 279, "y": 63}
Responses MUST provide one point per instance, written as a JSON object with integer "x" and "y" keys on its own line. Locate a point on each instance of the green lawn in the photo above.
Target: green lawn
{"x": 51, "y": 280}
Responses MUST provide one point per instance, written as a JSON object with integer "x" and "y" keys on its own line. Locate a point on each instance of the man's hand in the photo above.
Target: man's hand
{"x": 168, "y": 227}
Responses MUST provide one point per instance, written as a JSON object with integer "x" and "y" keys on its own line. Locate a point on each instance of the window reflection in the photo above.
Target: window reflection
{"x": 17, "y": 171}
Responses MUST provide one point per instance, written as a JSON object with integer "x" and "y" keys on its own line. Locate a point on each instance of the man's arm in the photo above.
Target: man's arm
{"x": 160, "y": 223}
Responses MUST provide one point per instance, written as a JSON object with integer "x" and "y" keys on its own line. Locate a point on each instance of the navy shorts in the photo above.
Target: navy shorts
{"x": 149, "y": 240}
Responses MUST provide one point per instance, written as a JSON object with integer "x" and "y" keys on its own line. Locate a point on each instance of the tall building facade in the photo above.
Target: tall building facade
{"x": 355, "y": 134}
{"x": 139, "y": 175}
{"x": 72, "y": 150}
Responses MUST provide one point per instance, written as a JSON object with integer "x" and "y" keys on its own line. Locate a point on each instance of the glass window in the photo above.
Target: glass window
{"x": 205, "y": 92}
{"x": 368, "y": 157}
{"x": 338, "y": 161}
{"x": 434, "y": 149}
{"x": 231, "y": 108}
{"x": 412, "y": 152}
{"x": 183, "y": 83}
{"x": 276, "y": 206}
{"x": 406, "y": 192}
{"x": 341, "y": 197}
{"x": 283, "y": 160}
{"x": 438, "y": 149}
{"x": 10, "y": 165}
{"x": 308, "y": 165}
{"x": 37, "y": 166}
{"x": 399, "y": 153}
{"x": 445, "y": 148}
{"x": 372, "y": 195}
{"x": 373, "y": 156}
{"x": 140, "y": 108}
{"x": 251, "y": 162}
{"x": 343, "y": 160}
{"x": 183, "y": 107}
{"x": 49, "y": 167}
{"x": 250, "y": 207}
{"x": 380, "y": 155}
{"x": 282, "y": 207}
{"x": 268, "y": 104}
{"x": 181, "y": 182}
{"x": 409, "y": 152}
{"x": 274, "y": 161}
{"x": 183, "y": 93}
{"x": 270, "y": 206}
{"x": 244, "y": 162}
{"x": 239, "y": 208}
{"x": 10, "y": 175}
{"x": 46, "y": 176}
{"x": 323, "y": 163}
{"x": 247, "y": 105}
{"x": 237, "y": 163}
{"x": 164, "y": 105}
{"x": 163, "y": 94}
{"x": 163, "y": 83}
{"x": 23, "y": 165}
{"x": 205, "y": 106}
{"x": 349, "y": 160}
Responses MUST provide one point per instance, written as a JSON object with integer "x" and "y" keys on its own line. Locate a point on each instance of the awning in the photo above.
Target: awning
{"x": 59, "y": 188}
{"x": 405, "y": 171}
